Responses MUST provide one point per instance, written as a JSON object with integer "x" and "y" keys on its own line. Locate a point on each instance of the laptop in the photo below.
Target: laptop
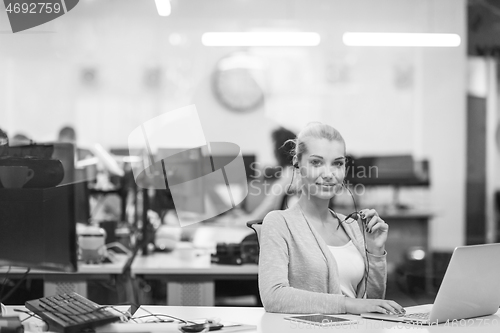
{"x": 470, "y": 288}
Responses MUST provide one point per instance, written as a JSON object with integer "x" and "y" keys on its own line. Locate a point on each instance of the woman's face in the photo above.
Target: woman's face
{"x": 322, "y": 168}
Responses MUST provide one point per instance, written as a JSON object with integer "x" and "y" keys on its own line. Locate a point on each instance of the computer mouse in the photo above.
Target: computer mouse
{"x": 193, "y": 328}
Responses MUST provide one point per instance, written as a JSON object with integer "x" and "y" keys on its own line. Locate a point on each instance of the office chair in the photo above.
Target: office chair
{"x": 235, "y": 292}
{"x": 255, "y": 225}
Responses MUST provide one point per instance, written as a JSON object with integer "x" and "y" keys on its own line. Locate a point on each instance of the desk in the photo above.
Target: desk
{"x": 62, "y": 282}
{"x": 273, "y": 322}
{"x": 189, "y": 282}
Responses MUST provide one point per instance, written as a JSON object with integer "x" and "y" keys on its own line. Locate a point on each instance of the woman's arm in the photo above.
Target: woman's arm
{"x": 377, "y": 276}
{"x": 376, "y": 232}
{"x": 276, "y": 293}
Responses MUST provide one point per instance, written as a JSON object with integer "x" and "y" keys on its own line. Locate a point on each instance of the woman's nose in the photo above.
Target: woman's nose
{"x": 329, "y": 172}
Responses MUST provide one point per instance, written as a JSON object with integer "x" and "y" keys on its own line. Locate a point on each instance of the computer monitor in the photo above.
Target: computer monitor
{"x": 79, "y": 178}
{"x": 217, "y": 185}
{"x": 397, "y": 170}
{"x": 248, "y": 161}
{"x": 66, "y": 153}
{"x": 38, "y": 228}
{"x": 181, "y": 166}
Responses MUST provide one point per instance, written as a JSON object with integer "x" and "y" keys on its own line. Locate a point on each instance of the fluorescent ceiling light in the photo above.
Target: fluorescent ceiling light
{"x": 261, "y": 39}
{"x": 400, "y": 39}
{"x": 163, "y": 7}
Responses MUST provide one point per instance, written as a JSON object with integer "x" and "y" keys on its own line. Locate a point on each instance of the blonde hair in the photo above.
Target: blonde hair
{"x": 314, "y": 130}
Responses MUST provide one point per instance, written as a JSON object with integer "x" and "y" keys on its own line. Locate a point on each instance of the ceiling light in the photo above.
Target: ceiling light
{"x": 400, "y": 39}
{"x": 261, "y": 39}
{"x": 163, "y": 7}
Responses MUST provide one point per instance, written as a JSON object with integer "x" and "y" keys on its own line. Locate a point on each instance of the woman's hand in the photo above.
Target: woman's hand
{"x": 376, "y": 231}
{"x": 358, "y": 305}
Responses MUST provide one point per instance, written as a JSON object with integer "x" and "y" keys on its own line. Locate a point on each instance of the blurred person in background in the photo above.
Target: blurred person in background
{"x": 279, "y": 191}
{"x": 275, "y": 184}
{"x": 20, "y": 140}
{"x": 4, "y": 142}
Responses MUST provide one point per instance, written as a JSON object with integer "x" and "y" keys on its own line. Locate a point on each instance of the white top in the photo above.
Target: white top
{"x": 351, "y": 267}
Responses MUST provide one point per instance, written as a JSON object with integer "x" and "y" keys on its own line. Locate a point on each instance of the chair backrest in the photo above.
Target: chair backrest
{"x": 255, "y": 225}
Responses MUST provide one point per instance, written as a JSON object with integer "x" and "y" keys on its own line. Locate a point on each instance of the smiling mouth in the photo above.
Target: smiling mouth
{"x": 326, "y": 185}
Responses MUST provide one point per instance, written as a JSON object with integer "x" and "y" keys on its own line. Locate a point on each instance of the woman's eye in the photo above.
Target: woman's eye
{"x": 339, "y": 163}
{"x": 315, "y": 162}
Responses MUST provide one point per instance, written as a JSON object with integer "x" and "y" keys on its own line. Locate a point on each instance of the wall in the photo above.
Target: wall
{"x": 107, "y": 66}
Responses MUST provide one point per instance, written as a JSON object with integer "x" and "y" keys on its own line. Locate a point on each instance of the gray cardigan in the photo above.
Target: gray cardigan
{"x": 297, "y": 271}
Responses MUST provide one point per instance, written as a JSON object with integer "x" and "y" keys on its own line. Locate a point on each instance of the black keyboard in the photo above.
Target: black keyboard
{"x": 70, "y": 313}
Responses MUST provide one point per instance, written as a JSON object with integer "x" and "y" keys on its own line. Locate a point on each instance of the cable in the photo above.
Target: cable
{"x": 288, "y": 189}
{"x": 151, "y": 314}
{"x": 356, "y": 212}
{"x": 5, "y": 281}
{"x": 31, "y": 314}
{"x": 16, "y": 286}
{"x": 120, "y": 246}
{"x": 157, "y": 316}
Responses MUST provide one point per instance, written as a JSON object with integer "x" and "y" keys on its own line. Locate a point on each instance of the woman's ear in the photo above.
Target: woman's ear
{"x": 295, "y": 162}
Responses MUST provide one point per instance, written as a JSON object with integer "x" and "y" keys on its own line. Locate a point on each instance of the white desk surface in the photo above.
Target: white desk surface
{"x": 272, "y": 322}
{"x": 205, "y": 236}
{"x": 173, "y": 264}
{"x": 116, "y": 267}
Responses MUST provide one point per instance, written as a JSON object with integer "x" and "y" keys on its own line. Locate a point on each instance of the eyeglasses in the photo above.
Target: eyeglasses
{"x": 354, "y": 215}
{"x": 349, "y": 219}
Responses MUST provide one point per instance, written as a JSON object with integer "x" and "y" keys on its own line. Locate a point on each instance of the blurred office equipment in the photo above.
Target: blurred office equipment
{"x": 48, "y": 171}
{"x": 180, "y": 167}
{"x": 38, "y": 228}
{"x": 216, "y": 189}
{"x": 78, "y": 177}
{"x": 396, "y": 171}
{"x": 389, "y": 170}
{"x": 248, "y": 161}
{"x": 232, "y": 253}
{"x": 173, "y": 166}
{"x": 66, "y": 153}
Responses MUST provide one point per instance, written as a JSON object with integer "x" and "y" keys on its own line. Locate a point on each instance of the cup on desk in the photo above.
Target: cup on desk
{"x": 15, "y": 176}
{"x": 92, "y": 241}
{"x": 185, "y": 251}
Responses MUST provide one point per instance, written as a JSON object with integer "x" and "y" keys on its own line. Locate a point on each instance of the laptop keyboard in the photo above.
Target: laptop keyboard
{"x": 418, "y": 315}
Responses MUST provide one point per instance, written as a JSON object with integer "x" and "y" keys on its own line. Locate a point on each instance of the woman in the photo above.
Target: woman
{"x": 313, "y": 259}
